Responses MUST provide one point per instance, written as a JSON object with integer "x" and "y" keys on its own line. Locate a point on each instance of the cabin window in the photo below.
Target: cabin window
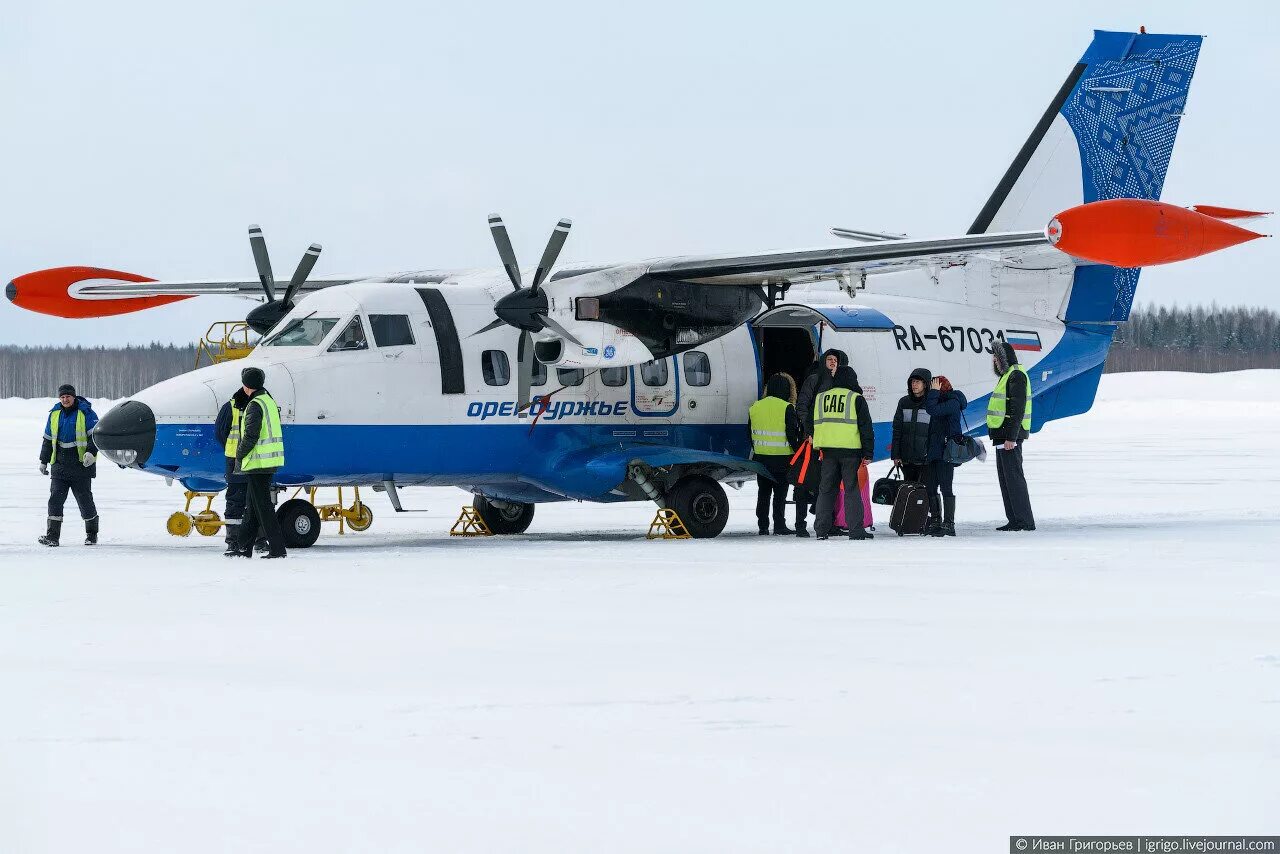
{"x": 570, "y": 376}
{"x": 654, "y": 373}
{"x": 539, "y": 373}
{"x": 391, "y": 330}
{"x": 697, "y": 368}
{"x": 613, "y": 377}
{"x": 303, "y": 332}
{"x": 351, "y": 338}
{"x": 496, "y": 368}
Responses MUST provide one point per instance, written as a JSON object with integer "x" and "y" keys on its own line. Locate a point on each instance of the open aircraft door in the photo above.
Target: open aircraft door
{"x": 793, "y": 328}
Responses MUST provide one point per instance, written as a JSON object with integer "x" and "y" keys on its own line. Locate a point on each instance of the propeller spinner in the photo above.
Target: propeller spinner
{"x": 526, "y": 308}
{"x": 267, "y": 315}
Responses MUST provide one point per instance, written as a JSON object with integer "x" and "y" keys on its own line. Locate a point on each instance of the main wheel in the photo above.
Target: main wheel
{"x": 300, "y": 523}
{"x": 510, "y": 518}
{"x": 701, "y": 504}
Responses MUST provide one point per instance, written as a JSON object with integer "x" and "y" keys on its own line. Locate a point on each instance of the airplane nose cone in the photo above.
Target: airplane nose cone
{"x": 127, "y": 433}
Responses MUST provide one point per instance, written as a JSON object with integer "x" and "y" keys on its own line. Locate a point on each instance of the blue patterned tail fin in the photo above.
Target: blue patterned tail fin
{"x": 1108, "y": 134}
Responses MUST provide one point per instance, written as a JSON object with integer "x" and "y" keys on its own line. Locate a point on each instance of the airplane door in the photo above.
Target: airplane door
{"x": 655, "y": 389}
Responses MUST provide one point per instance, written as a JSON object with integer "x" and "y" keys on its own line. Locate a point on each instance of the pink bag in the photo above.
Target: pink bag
{"x": 864, "y": 486}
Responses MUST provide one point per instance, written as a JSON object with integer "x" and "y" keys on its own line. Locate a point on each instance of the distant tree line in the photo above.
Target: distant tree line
{"x": 96, "y": 372}
{"x": 1201, "y": 339}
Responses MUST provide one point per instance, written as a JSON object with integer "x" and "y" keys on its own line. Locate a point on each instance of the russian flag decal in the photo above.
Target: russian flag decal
{"x": 1021, "y": 339}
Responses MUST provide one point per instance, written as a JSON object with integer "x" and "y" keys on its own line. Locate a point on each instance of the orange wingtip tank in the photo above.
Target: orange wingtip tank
{"x": 51, "y": 292}
{"x": 1140, "y": 233}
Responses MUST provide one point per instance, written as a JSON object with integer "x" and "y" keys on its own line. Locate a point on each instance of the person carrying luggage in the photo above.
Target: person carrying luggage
{"x": 909, "y": 447}
{"x": 944, "y": 406}
{"x": 775, "y": 435}
{"x": 843, "y": 432}
{"x": 1009, "y": 425}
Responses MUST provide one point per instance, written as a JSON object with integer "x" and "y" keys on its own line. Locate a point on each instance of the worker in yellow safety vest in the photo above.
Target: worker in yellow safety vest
{"x": 227, "y": 430}
{"x": 1008, "y": 426}
{"x": 70, "y": 459}
{"x": 775, "y": 435}
{"x": 843, "y": 432}
{"x": 259, "y": 454}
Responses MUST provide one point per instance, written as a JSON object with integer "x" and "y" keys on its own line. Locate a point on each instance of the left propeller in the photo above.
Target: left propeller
{"x": 526, "y": 308}
{"x": 267, "y": 315}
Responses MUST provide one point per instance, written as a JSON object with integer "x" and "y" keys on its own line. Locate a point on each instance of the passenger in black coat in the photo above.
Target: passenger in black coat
{"x": 1007, "y": 438}
{"x": 910, "y": 445}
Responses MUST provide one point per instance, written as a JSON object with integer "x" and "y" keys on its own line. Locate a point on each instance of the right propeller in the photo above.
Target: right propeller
{"x": 526, "y": 308}
{"x": 267, "y": 315}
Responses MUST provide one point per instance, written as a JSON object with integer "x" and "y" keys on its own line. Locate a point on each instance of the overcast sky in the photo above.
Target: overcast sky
{"x": 146, "y": 136}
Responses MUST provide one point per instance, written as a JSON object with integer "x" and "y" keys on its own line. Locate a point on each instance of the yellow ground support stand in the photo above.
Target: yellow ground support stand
{"x": 357, "y": 517}
{"x": 470, "y": 524}
{"x": 225, "y": 340}
{"x": 206, "y": 522}
{"x": 666, "y": 525}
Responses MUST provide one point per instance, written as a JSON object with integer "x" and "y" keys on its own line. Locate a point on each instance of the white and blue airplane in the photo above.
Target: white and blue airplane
{"x": 631, "y": 381}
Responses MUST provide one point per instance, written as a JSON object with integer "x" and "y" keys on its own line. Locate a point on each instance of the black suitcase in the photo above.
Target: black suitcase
{"x": 910, "y": 509}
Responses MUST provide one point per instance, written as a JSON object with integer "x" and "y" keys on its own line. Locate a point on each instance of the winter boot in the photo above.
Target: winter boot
{"x": 781, "y": 529}
{"x": 860, "y": 534}
{"x": 802, "y": 530}
{"x": 51, "y": 536}
{"x": 262, "y": 546}
{"x": 91, "y": 531}
{"x": 949, "y": 515}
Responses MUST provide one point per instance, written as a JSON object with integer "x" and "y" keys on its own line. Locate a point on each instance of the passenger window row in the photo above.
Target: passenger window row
{"x": 496, "y": 368}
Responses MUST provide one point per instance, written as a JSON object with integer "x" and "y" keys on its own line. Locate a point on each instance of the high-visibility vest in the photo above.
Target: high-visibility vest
{"x": 996, "y": 408}
{"x": 233, "y": 437}
{"x": 82, "y": 435}
{"x": 835, "y": 420}
{"x": 268, "y": 452}
{"x": 769, "y": 427}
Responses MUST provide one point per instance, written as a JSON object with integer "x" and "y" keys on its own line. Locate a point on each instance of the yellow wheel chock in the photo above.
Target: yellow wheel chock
{"x": 470, "y": 524}
{"x": 206, "y": 522}
{"x": 666, "y": 525}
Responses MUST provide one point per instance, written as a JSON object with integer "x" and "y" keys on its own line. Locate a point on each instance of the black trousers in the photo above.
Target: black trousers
{"x": 1013, "y": 486}
{"x": 237, "y": 494}
{"x": 837, "y": 470}
{"x": 772, "y": 494}
{"x": 81, "y": 488}
{"x": 261, "y": 513}
{"x": 915, "y": 472}
{"x": 939, "y": 475}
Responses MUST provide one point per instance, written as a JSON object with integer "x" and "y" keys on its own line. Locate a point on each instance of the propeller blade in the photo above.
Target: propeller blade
{"x": 262, "y": 261}
{"x": 505, "y": 252}
{"x": 300, "y": 275}
{"x": 552, "y": 252}
{"x": 524, "y": 355}
{"x": 488, "y": 327}
{"x": 560, "y": 330}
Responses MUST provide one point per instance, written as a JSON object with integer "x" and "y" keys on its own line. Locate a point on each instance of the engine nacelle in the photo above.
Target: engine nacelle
{"x": 623, "y": 316}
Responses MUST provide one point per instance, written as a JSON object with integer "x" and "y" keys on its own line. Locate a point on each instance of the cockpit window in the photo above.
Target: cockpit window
{"x": 391, "y": 330}
{"x": 303, "y": 332}
{"x": 351, "y": 338}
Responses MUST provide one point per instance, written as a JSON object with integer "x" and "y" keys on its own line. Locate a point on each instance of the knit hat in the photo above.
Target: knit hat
{"x": 66, "y": 388}
{"x": 253, "y": 378}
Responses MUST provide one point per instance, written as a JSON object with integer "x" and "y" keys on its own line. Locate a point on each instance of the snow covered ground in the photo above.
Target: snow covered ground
{"x": 581, "y": 689}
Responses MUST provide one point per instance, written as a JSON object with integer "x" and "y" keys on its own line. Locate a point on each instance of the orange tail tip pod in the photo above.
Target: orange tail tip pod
{"x": 1140, "y": 233}
{"x": 56, "y": 292}
{"x": 1227, "y": 213}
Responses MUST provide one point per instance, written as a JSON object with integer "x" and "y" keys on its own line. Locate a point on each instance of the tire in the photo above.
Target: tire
{"x": 513, "y": 518}
{"x": 701, "y": 504}
{"x": 299, "y": 522}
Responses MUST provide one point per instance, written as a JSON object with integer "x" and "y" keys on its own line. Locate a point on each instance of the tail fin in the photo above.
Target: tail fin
{"x": 1108, "y": 134}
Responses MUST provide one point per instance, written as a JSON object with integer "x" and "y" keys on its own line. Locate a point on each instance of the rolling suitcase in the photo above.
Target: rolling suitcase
{"x": 910, "y": 509}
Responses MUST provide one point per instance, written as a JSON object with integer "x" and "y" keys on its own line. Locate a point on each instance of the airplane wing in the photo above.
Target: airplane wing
{"x": 878, "y": 257}
{"x": 98, "y": 292}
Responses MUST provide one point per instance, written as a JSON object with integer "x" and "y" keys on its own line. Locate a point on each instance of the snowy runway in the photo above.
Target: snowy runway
{"x": 580, "y": 688}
